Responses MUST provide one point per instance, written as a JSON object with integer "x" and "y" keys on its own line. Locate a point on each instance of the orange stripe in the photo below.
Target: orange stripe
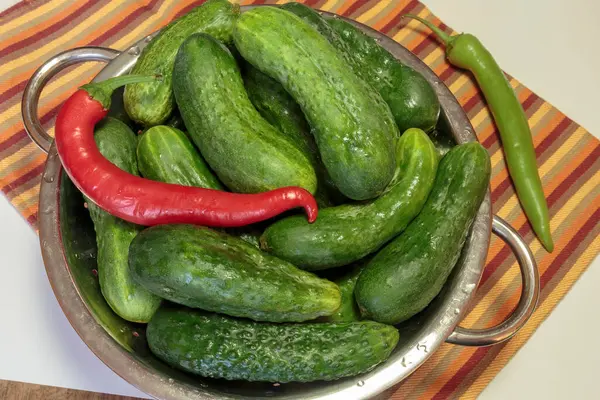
{"x": 82, "y": 40}
{"x": 388, "y": 17}
{"x": 63, "y": 15}
{"x": 16, "y": 174}
{"x": 520, "y": 220}
{"x": 344, "y": 7}
{"x": 500, "y": 316}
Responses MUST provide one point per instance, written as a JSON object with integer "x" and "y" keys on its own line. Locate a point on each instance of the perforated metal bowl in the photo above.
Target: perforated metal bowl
{"x": 68, "y": 247}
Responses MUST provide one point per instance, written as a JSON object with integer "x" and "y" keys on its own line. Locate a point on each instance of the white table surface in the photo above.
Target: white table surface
{"x": 550, "y": 45}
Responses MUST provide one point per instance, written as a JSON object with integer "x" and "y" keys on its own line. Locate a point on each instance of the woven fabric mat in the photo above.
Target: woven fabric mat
{"x": 568, "y": 157}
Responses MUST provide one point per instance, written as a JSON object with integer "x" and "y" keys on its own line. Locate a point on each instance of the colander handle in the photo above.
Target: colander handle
{"x": 529, "y": 294}
{"x": 42, "y": 75}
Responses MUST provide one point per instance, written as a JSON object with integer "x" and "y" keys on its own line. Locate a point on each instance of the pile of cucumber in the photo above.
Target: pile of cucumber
{"x": 268, "y": 98}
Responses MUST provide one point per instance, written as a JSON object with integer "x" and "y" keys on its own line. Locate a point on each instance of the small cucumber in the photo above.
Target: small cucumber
{"x": 152, "y": 103}
{"x": 408, "y": 273}
{"x": 353, "y": 127}
{"x": 165, "y": 154}
{"x": 347, "y": 233}
{"x": 117, "y": 142}
{"x": 202, "y": 268}
{"x": 348, "y": 311}
{"x": 411, "y": 98}
{"x": 245, "y": 151}
{"x": 217, "y": 346}
{"x": 279, "y": 109}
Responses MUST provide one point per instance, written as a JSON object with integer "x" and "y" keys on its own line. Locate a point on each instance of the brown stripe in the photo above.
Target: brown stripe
{"x": 446, "y": 390}
{"x": 475, "y": 361}
{"x": 63, "y": 29}
{"x": 396, "y": 20}
{"x": 557, "y": 144}
{"x": 577, "y": 172}
{"x": 493, "y": 265}
{"x": 311, "y": 3}
{"x": 46, "y": 32}
{"x": 532, "y": 98}
{"x": 12, "y": 91}
{"x": 425, "y": 43}
{"x": 116, "y": 29}
{"x": 395, "y": 27}
{"x": 447, "y": 73}
{"x": 33, "y": 219}
{"x": 187, "y": 9}
{"x": 477, "y": 369}
{"x": 34, "y": 182}
{"x": 567, "y": 264}
{"x": 577, "y": 183}
{"x": 556, "y": 132}
{"x": 21, "y": 133}
{"x": 22, "y": 179}
{"x": 17, "y": 146}
{"x": 21, "y": 8}
{"x": 354, "y": 7}
{"x": 473, "y": 101}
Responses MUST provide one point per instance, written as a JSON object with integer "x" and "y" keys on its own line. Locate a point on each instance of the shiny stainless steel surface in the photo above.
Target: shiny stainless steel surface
{"x": 527, "y": 303}
{"x": 33, "y": 90}
{"x": 420, "y": 337}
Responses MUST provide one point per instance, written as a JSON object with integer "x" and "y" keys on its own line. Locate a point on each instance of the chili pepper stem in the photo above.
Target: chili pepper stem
{"x": 441, "y": 35}
{"x": 102, "y": 91}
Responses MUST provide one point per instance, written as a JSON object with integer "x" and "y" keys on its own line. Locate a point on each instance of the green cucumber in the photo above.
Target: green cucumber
{"x": 217, "y": 346}
{"x": 117, "y": 142}
{"x": 165, "y": 154}
{"x": 279, "y": 109}
{"x": 348, "y": 311}
{"x": 353, "y": 127}
{"x": 175, "y": 121}
{"x": 245, "y": 151}
{"x": 408, "y": 273}
{"x": 411, "y": 98}
{"x": 203, "y": 268}
{"x": 152, "y": 103}
{"x": 347, "y": 233}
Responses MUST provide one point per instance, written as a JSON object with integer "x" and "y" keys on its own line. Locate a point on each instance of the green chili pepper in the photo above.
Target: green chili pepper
{"x": 466, "y": 51}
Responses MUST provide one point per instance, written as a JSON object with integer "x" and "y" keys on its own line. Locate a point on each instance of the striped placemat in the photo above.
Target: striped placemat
{"x": 568, "y": 157}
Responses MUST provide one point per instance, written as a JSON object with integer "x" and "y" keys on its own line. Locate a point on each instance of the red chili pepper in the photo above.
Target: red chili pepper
{"x": 143, "y": 201}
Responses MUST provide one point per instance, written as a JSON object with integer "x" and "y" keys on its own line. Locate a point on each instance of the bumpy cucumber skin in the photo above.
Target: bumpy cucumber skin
{"x": 152, "y": 103}
{"x": 348, "y": 311}
{"x": 353, "y": 127}
{"x": 279, "y": 109}
{"x": 128, "y": 299}
{"x": 407, "y": 274}
{"x": 411, "y": 98}
{"x": 202, "y": 268}
{"x": 165, "y": 154}
{"x": 217, "y": 346}
{"x": 245, "y": 151}
{"x": 347, "y": 233}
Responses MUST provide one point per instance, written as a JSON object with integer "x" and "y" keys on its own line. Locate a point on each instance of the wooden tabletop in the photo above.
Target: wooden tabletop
{"x": 11, "y": 390}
